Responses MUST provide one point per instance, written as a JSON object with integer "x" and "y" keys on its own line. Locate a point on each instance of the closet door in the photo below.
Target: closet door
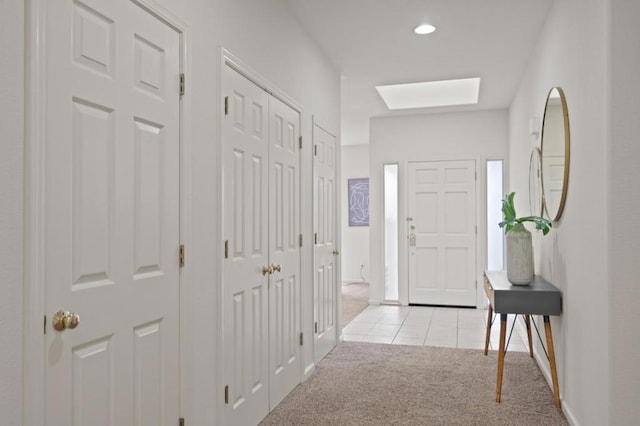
{"x": 245, "y": 139}
{"x": 284, "y": 250}
{"x": 325, "y": 252}
{"x": 261, "y": 288}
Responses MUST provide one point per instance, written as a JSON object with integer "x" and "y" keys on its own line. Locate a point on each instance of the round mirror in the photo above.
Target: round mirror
{"x": 555, "y": 154}
{"x": 535, "y": 184}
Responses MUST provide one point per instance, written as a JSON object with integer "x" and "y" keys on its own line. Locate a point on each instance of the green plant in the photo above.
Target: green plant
{"x": 510, "y": 219}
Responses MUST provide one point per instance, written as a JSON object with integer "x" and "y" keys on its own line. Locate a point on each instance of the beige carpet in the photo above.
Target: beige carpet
{"x": 374, "y": 384}
{"x": 355, "y": 298}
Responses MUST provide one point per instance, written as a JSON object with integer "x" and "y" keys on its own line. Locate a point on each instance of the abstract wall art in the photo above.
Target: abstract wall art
{"x": 358, "y": 202}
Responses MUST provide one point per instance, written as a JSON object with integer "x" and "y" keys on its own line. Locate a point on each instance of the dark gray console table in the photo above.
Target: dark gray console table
{"x": 538, "y": 298}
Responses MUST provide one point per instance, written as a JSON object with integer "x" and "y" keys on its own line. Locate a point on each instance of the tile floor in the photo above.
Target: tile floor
{"x": 428, "y": 326}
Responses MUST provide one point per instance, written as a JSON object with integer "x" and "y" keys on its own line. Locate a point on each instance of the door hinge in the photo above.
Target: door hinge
{"x": 182, "y": 84}
{"x": 226, "y": 249}
{"x": 300, "y": 142}
{"x": 300, "y": 241}
{"x": 476, "y": 229}
{"x": 301, "y": 339}
{"x": 181, "y": 256}
{"x": 315, "y": 238}
{"x": 226, "y": 394}
{"x": 476, "y": 284}
{"x": 476, "y": 175}
{"x": 226, "y": 105}
{"x": 181, "y": 421}
{"x": 315, "y": 150}
{"x": 315, "y": 326}
{"x": 45, "y": 324}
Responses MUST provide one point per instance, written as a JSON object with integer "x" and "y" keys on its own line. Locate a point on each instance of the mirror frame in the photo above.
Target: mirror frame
{"x": 567, "y": 156}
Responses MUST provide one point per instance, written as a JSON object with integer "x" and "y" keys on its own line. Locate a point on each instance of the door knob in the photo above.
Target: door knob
{"x": 267, "y": 270}
{"x": 275, "y": 268}
{"x": 64, "y": 319}
{"x": 336, "y": 252}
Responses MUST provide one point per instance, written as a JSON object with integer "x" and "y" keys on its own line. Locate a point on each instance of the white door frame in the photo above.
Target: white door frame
{"x": 403, "y": 249}
{"x": 34, "y": 341}
{"x": 228, "y": 59}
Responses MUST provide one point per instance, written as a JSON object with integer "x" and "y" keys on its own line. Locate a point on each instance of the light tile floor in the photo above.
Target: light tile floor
{"x": 428, "y": 326}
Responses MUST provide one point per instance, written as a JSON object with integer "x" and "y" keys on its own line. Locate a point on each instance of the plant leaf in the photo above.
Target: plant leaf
{"x": 510, "y": 219}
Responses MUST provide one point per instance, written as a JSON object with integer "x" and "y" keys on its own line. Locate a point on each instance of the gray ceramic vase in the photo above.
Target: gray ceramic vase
{"x": 519, "y": 255}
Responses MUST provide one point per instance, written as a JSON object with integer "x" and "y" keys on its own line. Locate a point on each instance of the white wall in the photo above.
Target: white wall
{"x": 355, "y": 239}
{"x": 572, "y": 53}
{"x": 623, "y": 208}
{"x": 11, "y": 181}
{"x": 466, "y": 135}
{"x": 263, "y": 35}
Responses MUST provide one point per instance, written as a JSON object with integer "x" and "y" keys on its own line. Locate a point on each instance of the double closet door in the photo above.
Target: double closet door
{"x": 261, "y": 287}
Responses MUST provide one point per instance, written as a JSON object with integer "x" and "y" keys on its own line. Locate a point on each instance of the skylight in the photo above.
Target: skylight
{"x": 431, "y": 93}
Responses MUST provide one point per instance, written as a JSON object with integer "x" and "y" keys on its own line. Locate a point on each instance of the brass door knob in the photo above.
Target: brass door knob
{"x": 275, "y": 268}
{"x": 267, "y": 270}
{"x": 64, "y": 319}
{"x": 336, "y": 252}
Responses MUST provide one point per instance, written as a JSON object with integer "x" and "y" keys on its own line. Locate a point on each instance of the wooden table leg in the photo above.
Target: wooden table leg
{"x": 552, "y": 360}
{"x": 488, "y": 336}
{"x": 527, "y": 320}
{"x": 501, "y": 353}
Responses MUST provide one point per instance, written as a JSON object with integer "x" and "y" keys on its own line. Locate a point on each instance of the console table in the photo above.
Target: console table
{"x": 538, "y": 298}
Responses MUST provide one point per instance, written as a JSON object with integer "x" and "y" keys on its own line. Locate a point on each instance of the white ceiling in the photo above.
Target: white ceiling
{"x": 371, "y": 42}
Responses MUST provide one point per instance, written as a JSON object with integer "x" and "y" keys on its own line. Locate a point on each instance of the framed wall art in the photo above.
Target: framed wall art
{"x": 358, "y": 190}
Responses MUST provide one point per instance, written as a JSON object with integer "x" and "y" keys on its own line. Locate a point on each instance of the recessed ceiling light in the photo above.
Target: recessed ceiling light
{"x": 431, "y": 93}
{"x": 424, "y": 29}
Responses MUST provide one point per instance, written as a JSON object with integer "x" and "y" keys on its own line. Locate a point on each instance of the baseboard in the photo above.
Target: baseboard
{"x": 353, "y": 281}
{"x": 568, "y": 413}
{"x": 308, "y": 370}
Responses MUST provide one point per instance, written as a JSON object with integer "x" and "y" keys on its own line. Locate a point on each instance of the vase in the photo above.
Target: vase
{"x": 519, "y": 255}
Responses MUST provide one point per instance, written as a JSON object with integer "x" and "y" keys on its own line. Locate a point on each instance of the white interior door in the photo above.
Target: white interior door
{"x": 245, "y": 300}
{"x": 262, "y": 272}
{"x": 325, "y": 252}
{"x": 284, "y": 251}
{"x": 442, "y": 242}
{"x": 111, "y": 215}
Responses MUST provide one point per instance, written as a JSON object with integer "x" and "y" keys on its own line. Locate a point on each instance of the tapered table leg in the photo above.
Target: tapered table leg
{"x": 501, "y": 353}
{"x": 527, "y": 320}
{"x": 552, "y": 360}
{"x": 488, "y": 336}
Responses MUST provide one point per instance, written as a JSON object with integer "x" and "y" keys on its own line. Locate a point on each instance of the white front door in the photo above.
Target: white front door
{"x": 442, "y": 232}
{"x": 111, "y": 215}
{"x": 261, "y": 326}
{"x": 325, "y": 252}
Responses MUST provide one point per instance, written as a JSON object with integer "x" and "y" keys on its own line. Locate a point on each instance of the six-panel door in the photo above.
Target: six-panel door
{"x": 111, "y": 215}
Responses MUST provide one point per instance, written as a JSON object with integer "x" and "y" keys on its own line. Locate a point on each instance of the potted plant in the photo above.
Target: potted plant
{"x": 519, "y": 246}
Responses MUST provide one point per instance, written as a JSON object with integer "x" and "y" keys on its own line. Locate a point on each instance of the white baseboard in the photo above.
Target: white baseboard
{"x": 308, "y": 370}
{"x": 347, "y": 281}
